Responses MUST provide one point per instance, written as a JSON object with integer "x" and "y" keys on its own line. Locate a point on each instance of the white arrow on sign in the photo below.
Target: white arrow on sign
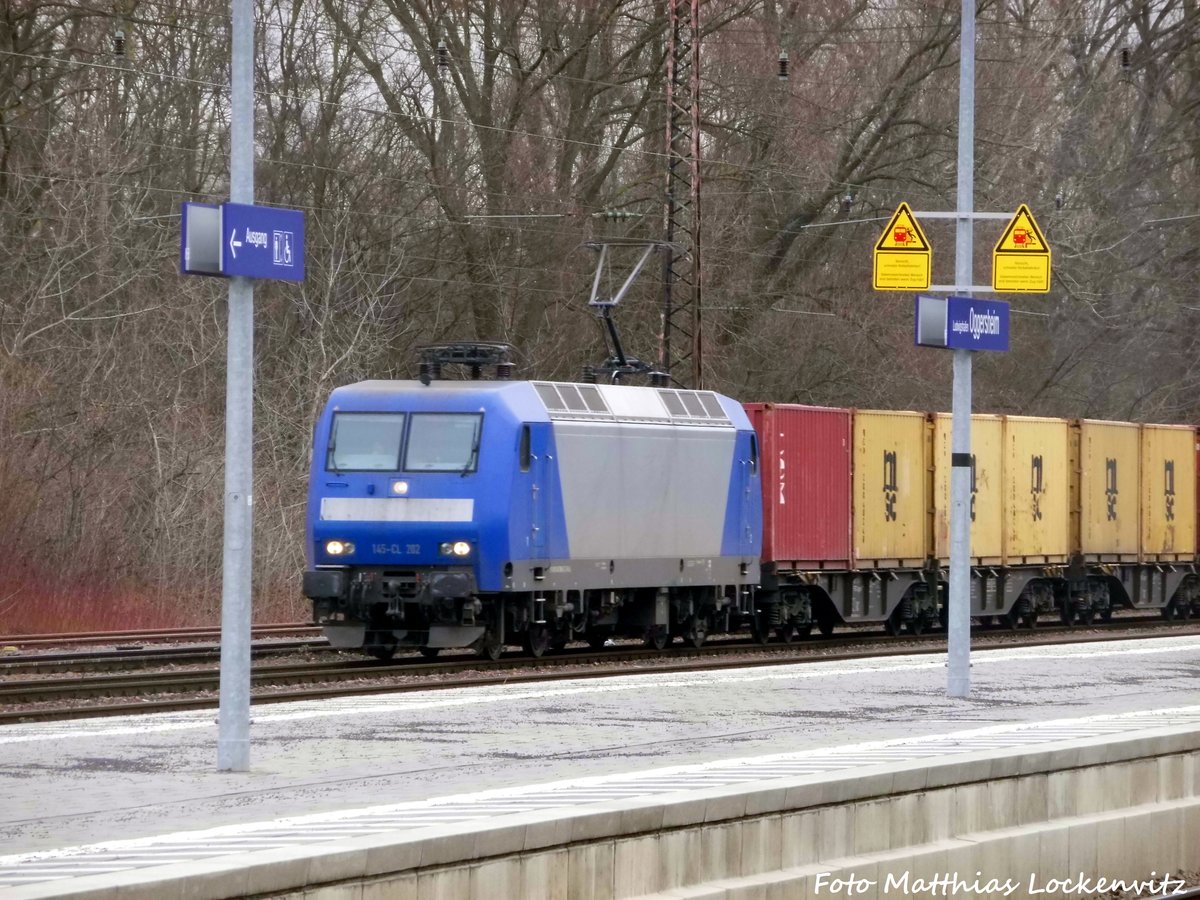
{"x": 233, "y": 244}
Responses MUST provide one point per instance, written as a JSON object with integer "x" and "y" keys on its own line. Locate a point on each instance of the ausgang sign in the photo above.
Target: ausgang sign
{"x": 962, "y": 323}
{"x": 241, "y": 239}
{"x": 903, "y": 258}
{"x": 1021, "y": 258}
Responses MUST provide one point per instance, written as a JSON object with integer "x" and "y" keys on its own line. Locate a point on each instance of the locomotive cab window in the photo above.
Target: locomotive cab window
{"x": 443, "y": 442}
{"x": 753, "y": 454}
{"x": 365, "y": 442}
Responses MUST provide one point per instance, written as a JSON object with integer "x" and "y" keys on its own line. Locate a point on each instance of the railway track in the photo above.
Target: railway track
{"x": 86, "y": 695}
{"x": 22, "y": 642}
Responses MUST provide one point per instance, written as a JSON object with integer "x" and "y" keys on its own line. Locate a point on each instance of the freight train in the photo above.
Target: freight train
{"x": 485, "y": 513}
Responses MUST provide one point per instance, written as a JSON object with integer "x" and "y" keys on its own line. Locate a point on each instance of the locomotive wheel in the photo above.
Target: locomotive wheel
{"x": 696, "y": 632}
{"x": 382, "y": 651}
{"x": 760, "y": 631}
{"x": 596, "y": 639}
{"x": 658, "y": 637}
{"x": 429, "y": 652}
{"x": 490, "y": 647}
{"x": 537, "y": 640}
{"x": 785, "y": 633}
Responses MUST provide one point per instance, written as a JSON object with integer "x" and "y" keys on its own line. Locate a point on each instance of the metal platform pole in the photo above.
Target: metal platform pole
{"x": 959, "y": 599}
{"x": 233, "y": 739}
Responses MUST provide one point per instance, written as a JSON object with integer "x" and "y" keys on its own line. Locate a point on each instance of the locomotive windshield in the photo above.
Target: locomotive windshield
{"x": 365, "y": 442}
{"x": 443, "y": 442}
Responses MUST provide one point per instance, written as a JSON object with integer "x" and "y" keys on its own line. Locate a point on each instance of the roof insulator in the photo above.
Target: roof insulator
{"x": 1126, "y": 59}
{"x": 783, "y": 65}
{"x": 443, "y": 58}
{"x": 119, "y": 44}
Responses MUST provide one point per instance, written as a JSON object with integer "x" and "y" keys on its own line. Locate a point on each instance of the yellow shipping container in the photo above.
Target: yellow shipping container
{"x": 1107, "y": 463}
{"x": 1168, "y": 492}
{"x": 892, "y": 487}
{"x": 987, "y": 520}
{"x": 1037, "y": 490}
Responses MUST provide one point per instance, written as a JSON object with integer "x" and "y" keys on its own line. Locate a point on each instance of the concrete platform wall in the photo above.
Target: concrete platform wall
{"x": 1117, "y": 810}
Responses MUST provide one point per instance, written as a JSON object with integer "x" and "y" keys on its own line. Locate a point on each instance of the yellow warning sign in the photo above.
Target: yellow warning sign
{"x": 903, "y": 258}
{"x": 1021, "y": 258}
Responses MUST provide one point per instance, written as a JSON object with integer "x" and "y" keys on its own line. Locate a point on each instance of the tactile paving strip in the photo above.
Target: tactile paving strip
{"x": 193, "y": 846}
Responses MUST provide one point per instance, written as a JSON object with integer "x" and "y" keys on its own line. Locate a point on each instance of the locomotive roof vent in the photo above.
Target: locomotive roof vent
{"x": 474, "y": 356}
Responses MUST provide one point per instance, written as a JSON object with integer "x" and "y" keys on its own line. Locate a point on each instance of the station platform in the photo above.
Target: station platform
{"x": 620, "y": 787}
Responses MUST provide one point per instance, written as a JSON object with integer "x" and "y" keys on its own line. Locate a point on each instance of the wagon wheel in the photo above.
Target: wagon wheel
{"x": 382, "y": 651}
{"x": 537, "y": 640}
{"x": 894, "y": 624}
{"x": 658, "y": 637}
{"x": 1185, "y": 610}
{"x": 785, "y": 633}
{"x": 986, "y": 621}
{"x": 760, "y": 631}
{"x": 1087, "y": 616}
{"x": 826, "y": 624}
{"x": 490, "y": 647}
{"x": 1168, "y": 611}
{"x": 429, "y": 652}
{"x": 916, "y": 626}
{"x": 1066, "y": 614}
{"x": 1106, "y": 615}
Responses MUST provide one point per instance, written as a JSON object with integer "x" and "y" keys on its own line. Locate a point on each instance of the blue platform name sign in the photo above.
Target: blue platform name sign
{"x": 962, "y": 323}
{"x": 262, "y": 242}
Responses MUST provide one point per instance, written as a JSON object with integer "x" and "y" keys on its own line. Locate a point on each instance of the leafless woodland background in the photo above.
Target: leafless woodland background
{"x": 112, "y": 364}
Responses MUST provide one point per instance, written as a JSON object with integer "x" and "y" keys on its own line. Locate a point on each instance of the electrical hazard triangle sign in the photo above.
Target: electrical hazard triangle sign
{"x": 903, "y": 257}
{"x": 1021, "y": 258}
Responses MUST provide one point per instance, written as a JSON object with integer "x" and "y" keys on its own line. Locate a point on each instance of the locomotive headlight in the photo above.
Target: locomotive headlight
{"x": 455, "y": 548}
{"x": 399, "y": 488}
{"x": 339, "y": 548}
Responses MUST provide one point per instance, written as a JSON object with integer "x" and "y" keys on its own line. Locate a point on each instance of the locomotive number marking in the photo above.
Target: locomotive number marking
{"x": 396, "y": 549}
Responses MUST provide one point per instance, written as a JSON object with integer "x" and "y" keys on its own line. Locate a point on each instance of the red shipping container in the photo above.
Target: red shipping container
{"x": 806, "y": 460}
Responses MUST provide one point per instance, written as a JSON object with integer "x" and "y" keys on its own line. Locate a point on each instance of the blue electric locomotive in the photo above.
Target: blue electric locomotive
{"x": 483, "y": 513}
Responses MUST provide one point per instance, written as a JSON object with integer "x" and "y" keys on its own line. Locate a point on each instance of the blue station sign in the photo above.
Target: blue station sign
{"x": 962, "y": 323}
{"x": 241, "y": 239}
{"x": 262, "y": 242}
